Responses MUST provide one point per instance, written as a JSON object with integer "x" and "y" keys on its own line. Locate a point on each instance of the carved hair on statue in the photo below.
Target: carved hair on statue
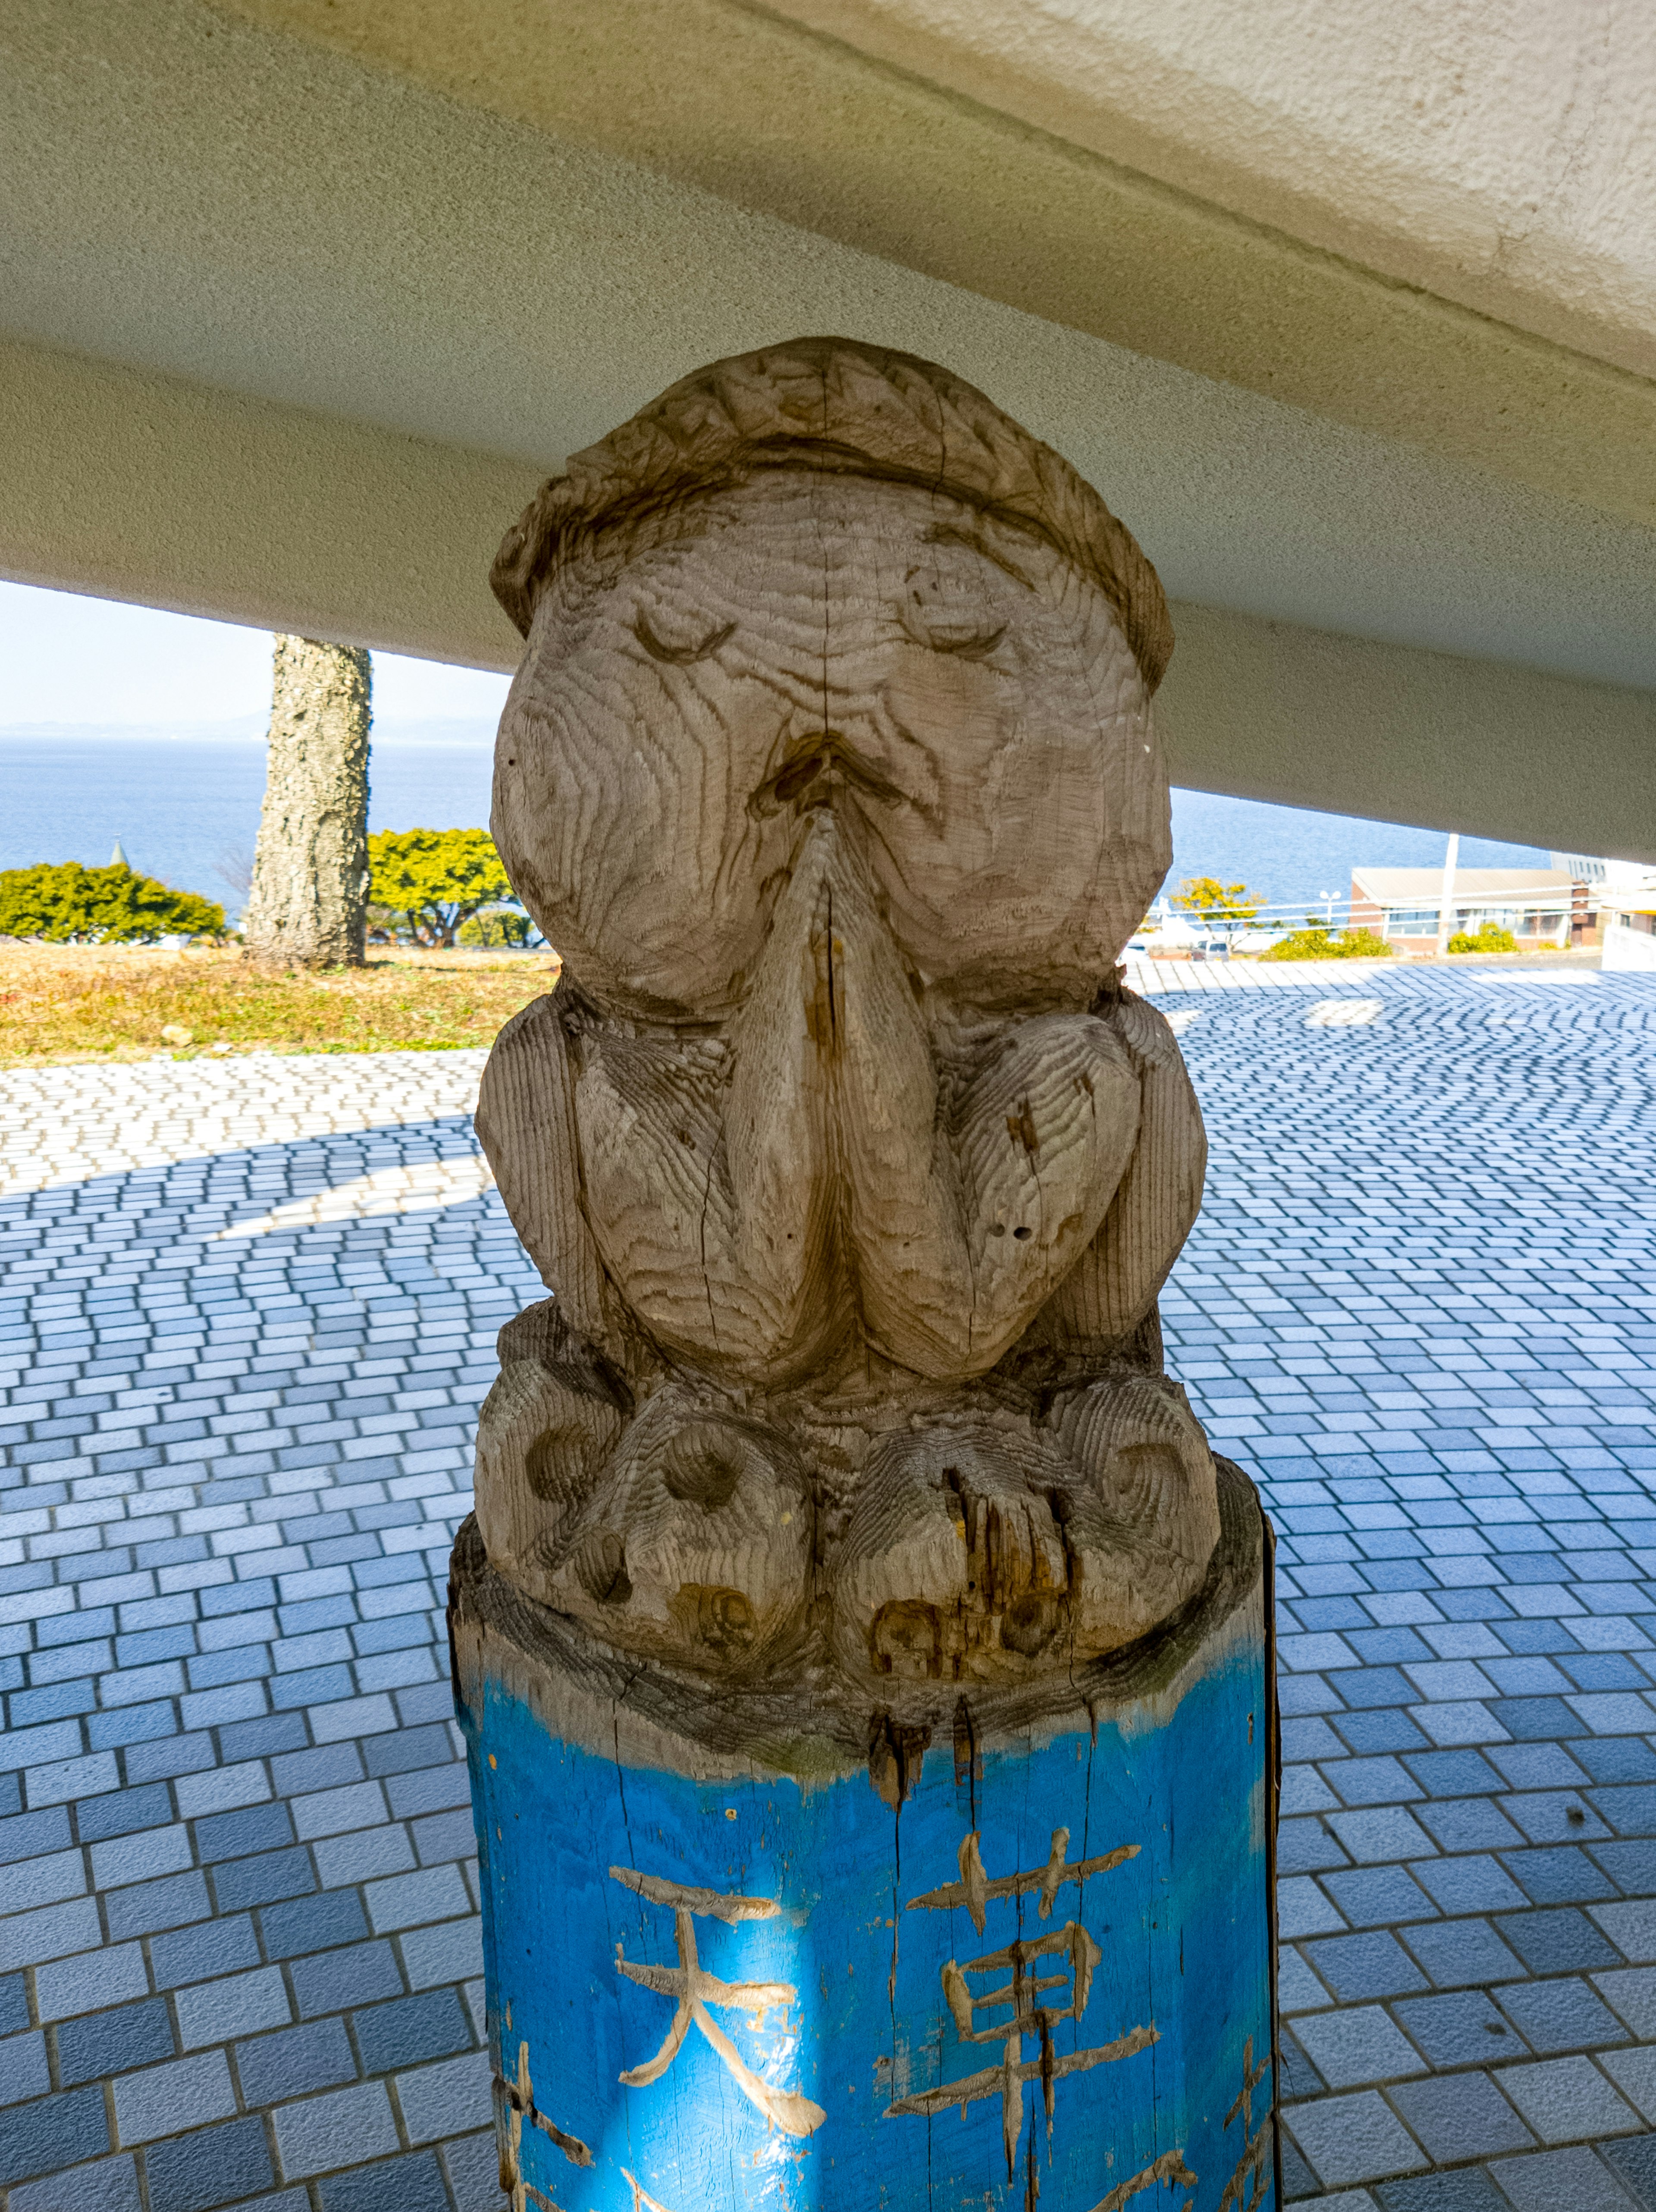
{"x": 839, "y": 406}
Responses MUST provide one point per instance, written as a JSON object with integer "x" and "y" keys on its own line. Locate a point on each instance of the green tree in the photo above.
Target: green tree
{"x": 1491, "y": 938}
{"x": 434, "y": 880}
{"x": 494, "y": 927}
{"x": 1224, "y": 907}
{"x": 1316, "y": 941}
{"x": 73, "y": 905}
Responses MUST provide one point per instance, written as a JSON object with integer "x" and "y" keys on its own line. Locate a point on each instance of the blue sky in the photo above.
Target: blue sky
{"x": 65, "y": 658}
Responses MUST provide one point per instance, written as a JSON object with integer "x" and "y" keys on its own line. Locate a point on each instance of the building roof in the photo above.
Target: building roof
{"x": 1610, "y": 876}
{"x": 1403, "y": 886}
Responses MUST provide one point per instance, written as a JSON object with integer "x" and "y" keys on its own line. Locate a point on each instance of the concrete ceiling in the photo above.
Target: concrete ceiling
{"x": 293, "y": 333}
{"x": 1497, "y": 154}
{"x": 1203, "y": 186}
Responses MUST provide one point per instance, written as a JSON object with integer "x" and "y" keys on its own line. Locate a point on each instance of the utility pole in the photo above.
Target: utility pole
{"x": 307, "y": 907}
{"x": 1446, "y": 896}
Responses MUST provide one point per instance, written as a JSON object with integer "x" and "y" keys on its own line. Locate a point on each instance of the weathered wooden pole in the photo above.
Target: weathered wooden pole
{"x": 309, "y": 899}
{"x": 865, "y": 1662}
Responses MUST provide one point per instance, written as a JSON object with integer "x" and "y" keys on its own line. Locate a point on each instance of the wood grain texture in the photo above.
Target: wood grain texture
{"x": 798, "y": 1713}
{"x": 853, "y": 1170}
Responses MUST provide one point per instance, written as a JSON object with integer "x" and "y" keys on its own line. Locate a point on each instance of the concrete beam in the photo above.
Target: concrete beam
{"x": 1304, "y": 717}
{"x": 1500, "y": 155}
{"x": 204, "y": 199}
{"x": 139, "y": 487}
{"x": 132, "y": 486}
{"x": 780, "y": 117}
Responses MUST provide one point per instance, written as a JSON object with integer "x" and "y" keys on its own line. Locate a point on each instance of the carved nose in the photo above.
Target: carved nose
{"x": 795, "y": 783}
{"x": 813, "y": 771}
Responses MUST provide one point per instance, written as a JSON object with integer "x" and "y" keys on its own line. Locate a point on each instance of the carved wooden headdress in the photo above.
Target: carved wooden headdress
{"x": 835, "y": 404}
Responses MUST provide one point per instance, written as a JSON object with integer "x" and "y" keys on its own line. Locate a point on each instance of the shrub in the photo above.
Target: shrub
{"x": 433, "y": 881}
{"x": 1317, "y": 942}
{"x": 73, "y": 905}
{"x": 497, "y": 927}
{"x": 1224, "y": 907}
{"x": 1492, "y": 938}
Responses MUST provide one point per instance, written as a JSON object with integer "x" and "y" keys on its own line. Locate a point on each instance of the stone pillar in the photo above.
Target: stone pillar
{"x": 309, "y": 893}
{"x": 865, "y": 1663}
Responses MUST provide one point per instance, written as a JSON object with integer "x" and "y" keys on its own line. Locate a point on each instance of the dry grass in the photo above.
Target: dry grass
{"x": 86, "y": 1002}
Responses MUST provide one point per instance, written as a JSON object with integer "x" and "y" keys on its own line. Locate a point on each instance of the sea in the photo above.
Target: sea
{"x": 184, "y": 803}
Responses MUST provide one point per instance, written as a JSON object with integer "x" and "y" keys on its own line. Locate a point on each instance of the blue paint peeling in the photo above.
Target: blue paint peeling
{"x": 603, "y": 1884}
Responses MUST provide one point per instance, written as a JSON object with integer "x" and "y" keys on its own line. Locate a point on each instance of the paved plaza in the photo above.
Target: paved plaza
{"x": 250, "y": 1313}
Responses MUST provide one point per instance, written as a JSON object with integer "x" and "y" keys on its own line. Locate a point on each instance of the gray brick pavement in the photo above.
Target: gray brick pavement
{"x": 1421, "y": 1306}
{"x": 237, "y": 1938}
{"x": 239, "y": 1952}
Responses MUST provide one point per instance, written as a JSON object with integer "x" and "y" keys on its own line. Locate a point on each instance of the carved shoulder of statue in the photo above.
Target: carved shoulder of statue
{"x": 1114, "y": 1287}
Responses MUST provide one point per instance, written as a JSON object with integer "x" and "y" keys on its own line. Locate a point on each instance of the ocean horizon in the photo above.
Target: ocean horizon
{"x": 182, "y": 798}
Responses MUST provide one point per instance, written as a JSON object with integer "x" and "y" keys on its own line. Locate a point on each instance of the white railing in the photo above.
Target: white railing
{"x": 1336, "y": 913}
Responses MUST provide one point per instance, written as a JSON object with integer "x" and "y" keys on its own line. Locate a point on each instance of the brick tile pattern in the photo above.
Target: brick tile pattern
{"x": 239, "y": 1946}
{"x": 1421, "y": 1308}
{"x": 239, "y": 1951}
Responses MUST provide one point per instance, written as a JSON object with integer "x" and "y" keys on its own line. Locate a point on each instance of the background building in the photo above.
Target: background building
{"x": 1622, "y": 895}
{"x": 1402, "y": 903}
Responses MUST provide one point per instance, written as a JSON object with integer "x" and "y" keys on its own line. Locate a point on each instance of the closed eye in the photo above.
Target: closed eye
{"x": 965, "y": 642}
{"x": 678, "y": 655}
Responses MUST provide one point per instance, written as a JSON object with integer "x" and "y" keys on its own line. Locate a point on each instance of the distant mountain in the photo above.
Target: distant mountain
{"x": 240, "y": 729}
{"x": 448, "y": 732}
{"x": 403, "y": 733}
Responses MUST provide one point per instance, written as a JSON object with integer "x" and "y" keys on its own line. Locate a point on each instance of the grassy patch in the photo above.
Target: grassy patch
{"x": 96, "y": 1002}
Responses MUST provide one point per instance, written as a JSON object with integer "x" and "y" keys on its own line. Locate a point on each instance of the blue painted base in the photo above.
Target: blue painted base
{"x": 1049, "y": 1977}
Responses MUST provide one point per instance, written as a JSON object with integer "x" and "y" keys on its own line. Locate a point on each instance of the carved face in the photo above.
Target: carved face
{"x": 945, "y": 689}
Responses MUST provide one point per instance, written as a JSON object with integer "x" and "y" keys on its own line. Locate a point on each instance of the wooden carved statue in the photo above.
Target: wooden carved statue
{"x": 852, "y": 1168}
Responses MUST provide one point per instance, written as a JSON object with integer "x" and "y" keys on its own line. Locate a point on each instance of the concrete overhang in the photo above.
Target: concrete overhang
{"x": 301, "y": 298}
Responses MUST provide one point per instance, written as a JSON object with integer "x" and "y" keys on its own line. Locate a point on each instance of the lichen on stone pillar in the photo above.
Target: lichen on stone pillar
{"x": 307, "y": 904}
